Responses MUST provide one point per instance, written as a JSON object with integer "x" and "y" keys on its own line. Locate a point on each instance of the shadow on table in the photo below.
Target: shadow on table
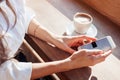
{"x": 93, "y": 78}
{"x": 79, "y": 74}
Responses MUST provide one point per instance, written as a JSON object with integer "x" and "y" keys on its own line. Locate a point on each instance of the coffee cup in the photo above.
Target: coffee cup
{"x": 82, "y": 22}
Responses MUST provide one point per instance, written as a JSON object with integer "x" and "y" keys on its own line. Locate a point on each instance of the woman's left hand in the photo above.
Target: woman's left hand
{"x": 75, "y": 41}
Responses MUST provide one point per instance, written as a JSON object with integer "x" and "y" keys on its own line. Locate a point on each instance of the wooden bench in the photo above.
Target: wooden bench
{"x": 56, "y": 17}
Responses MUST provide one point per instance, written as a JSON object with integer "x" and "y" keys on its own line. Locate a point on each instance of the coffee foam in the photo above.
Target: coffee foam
{"x": 82, "y": 19}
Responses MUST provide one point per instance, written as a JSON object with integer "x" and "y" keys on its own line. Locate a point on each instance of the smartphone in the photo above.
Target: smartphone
{"x": 104, "y": 44}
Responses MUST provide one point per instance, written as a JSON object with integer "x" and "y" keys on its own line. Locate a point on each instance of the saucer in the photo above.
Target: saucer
{"x": 92, "y": 31}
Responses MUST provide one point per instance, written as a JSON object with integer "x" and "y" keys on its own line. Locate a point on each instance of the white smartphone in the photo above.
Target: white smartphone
{"x": 104, "y": 44}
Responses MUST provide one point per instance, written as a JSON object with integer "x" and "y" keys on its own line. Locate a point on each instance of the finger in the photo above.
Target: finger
{"x": 85, "y": 41}
{"x": 107, "y": 53}
{"x": 77, "y": 43}
{"x": 101, "y": 57}
{"x": 90, "y": 38}
{"x": 104, "y": 55}
{"x": 84, "y": 37}
{"x": 94, "y": 52}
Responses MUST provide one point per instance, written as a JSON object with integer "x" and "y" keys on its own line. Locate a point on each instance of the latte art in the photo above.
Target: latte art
{"x": 82, "y": 19}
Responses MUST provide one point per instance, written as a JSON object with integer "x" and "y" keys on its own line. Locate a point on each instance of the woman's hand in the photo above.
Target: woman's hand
{"x": 65, "y": 43}
{"x": 75, "y": 41}
{"x": 84, "y": 57}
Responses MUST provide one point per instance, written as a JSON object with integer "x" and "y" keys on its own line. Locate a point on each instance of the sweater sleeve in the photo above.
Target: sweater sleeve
{"x": 13, "y": 70}
{"x": 29, "y": 15}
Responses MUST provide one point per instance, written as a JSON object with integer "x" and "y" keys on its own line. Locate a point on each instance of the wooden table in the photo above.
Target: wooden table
{"x": 56, "y": 15}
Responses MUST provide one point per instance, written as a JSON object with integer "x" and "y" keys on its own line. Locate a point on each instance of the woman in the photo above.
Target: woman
{"x": 15, "y": 21}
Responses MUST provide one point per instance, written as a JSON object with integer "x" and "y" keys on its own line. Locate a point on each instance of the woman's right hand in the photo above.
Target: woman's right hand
{"x": 84, "y": 57}
{"x": 78, "y": 59}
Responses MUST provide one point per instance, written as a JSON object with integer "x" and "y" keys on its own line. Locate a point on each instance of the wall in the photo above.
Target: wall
{"x": 109, "y": 8}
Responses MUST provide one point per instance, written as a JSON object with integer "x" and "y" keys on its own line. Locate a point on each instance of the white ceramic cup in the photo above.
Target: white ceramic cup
{"x": 82, "y": 22}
